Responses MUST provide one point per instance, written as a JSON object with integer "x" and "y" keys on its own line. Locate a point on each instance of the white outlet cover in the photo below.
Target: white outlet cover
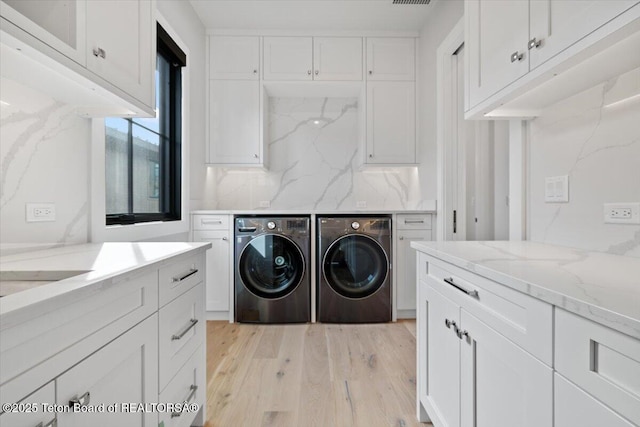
{"x": 610, "y": 208}
{"x": 32, "y": 208}
{"x": 361, "y": 204}
{"x": 265, "y": 204}
{"x": 556, "y": 189}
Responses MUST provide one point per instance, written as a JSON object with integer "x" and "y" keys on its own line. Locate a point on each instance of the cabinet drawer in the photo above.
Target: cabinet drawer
{"x": 182, "y": 330}
{"x": 523, "y": 319}
{"x": 603, "y": 362}
{"x": 118, "y": 306}
{"x": 180, "y": 276}
{"x": 413, "y": 222}
{"x": 210, "y": 222}
{"x": 189, "y": 385}
{"x": 45, "y": 395}
{"x": 574, "y": 407}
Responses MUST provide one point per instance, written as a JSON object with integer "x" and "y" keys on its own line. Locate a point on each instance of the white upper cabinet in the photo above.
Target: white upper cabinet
{"x": 391, "y": 58}
{"x": 233, "y": 57}
{"x": 497, "y": 42}
{"x": 337, "y": 58}
{"x": 120, "y": 35}
{"x": 556, "y": 24}
{"x": 313, "y": 58}
{"x": 58, "y": 23}
{"x": 391, "y": 123}
{"x": 288, "y": 58}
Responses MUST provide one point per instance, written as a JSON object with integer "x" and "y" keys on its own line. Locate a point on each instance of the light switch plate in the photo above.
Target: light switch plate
{"x": 556, "y": 189}
{"x": 622, "y": 213}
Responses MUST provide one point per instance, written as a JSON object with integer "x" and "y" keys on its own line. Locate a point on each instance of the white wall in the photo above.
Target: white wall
{"x": 598, "y": 146}
{"x": 441, "y": 20}
{"x": 314, "y": 163}
{"x": 44, "y": 155}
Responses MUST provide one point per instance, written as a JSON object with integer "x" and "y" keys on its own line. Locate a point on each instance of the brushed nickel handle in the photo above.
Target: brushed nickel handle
{"x": 82, "y": 400}
{"x": 515, "y": 56}
{"x": 192, "y": 323}
{"x": 464, "y": 333}
{"x": 534, "y": 43}
{"x": 370, "y": 72}
{"x": 450, "y": 281}
{"x": 414, "y": 221}
{"x": 401, "y": 238}
{"x": 308, "y": 72}
{"x": 255, "y": 71}
{"x": 99, "y": 52}
{"x": 225, "y": 239}
{"x": 192, "y": 392}
{"x": 449, "y": 323}
{"x": 255, "y": 156}
{"x": 317, "y": 72}
{"x": 370, "y": 156}
{"x": 211, "y": 221}
{"x": 186, "y": 276}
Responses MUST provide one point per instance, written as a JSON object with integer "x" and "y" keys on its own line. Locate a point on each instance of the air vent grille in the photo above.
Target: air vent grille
{"x": 411, "y": 1}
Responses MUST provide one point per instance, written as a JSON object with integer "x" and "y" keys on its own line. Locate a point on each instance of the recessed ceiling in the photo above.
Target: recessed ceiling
{"x": 334, "y": 15}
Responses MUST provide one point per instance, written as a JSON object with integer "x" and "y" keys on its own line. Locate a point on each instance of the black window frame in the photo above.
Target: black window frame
{"x": 170, "y": 197}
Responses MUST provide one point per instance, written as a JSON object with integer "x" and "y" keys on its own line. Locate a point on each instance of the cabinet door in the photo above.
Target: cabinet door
{"x": 501, "y": 385}
{"x": 497, "y": 32}
{"x": 58, "y": 23}
{"x": 391, "y": 58}
{"x": 125, "y": 370}
{"x": 218, "y": 268}
{"x": 288, "y": 58}
{"x": 406, "y": 268}
{"x": 125, "y": 31}
{"x": 575, "y": 407}
{"x": 234, "y": 57}
{"x": 32, "y": 414}
{"x": 391, "y": 123}
{"x": 557, "y": 24}
{"x": 337, "y": 58}
{"x": 443, "y": 360}
{"x": 234, "y": 122}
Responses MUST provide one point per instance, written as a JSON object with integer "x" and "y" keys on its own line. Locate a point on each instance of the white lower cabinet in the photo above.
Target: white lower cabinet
{"x": 124, "y": 371}
{"x": 30, "y": 411}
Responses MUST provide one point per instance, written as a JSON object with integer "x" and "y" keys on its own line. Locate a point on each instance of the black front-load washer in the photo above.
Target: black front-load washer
{"x": 354, "y": 269}
{"x": 272, "y": 281}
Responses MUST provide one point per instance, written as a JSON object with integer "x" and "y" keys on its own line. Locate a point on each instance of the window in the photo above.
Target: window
{"x": 143, "y": 155}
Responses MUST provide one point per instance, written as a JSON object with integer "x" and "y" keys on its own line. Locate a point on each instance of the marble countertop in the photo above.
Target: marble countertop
{"x": 99, "y": 265}
{"x": 602, "y": 287}
{"x": 429, "y": 208}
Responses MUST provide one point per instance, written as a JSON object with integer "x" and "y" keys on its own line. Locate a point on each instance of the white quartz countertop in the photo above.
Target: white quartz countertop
{"x": 429, "y": 208}
{"x": 602, "y": 287}
{"x": 100, "y": 264}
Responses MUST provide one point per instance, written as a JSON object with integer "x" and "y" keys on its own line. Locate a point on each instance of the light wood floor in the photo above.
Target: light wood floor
{"x": 311, "y": 375}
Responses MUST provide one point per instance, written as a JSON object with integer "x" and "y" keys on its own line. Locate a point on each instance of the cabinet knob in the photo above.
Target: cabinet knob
{"x": 82, "y": 400}
{"x": 308, "y": 72}
{"x": 516, "y": 56}
{"x": 255, "y": 71}
{"x": 255, "y": 156}
{"x": 449, "y": 323}
{"x": 317, "y": 72}
{"x": 99, "y": 52}
{"x": 371, "y": 156}
{"x": 401, "y": 238}
{"x": 370, "y": 72}
{"x": 225, "y": 239}
{"x": 461, "y": 334}
{"x": 534, "y": 43}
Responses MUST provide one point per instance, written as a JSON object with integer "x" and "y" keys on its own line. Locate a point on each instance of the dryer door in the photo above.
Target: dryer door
{"x": 355, "y": 266}
{"x": 271, "y": 266}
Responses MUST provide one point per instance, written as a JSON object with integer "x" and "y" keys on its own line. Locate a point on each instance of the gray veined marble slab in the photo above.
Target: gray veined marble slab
{"x": 602, "y": 287}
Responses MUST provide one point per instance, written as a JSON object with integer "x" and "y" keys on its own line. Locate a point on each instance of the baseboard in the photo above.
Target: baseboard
{"x": 406, "y": 314}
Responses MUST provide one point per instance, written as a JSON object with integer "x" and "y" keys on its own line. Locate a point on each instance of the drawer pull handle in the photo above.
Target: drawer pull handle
{"x": 461, "y": 334}
{"x": 192, "y": 323}
{"x": 414, "y": 221}
{"x": 192, "y": 392}
{"x": 186, "y": 276}
{"x": 449, "y": 323}
{"x": 460, "y": 288}
{"x": 52, "y": 423}
{"x": 82, "y": 400}
{"x": 212, "y": 221}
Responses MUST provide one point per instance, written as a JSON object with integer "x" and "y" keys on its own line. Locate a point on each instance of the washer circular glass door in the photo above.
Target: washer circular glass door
{"x": 271, "y": 266}
{"x": 355, "y": 266}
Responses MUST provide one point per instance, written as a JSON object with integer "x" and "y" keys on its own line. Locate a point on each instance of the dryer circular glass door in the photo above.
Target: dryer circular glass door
{"x": 271, "y": 266}
{"x": 355, "y": 266}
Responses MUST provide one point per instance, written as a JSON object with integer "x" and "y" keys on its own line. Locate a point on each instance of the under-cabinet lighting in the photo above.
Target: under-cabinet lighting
{"x": 626, "y": 100}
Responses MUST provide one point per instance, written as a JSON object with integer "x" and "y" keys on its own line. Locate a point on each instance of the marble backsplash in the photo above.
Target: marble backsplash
{"x": 314, "y": 163}
{"x": 44, "y": 158}
{"x": 595, "y": 139}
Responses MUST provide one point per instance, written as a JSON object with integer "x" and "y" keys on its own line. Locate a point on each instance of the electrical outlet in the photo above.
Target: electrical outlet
{"x": 41, "y": 212}
{"x": 622, "y": 213}
{"x": 361, "y": 204}
{"x": 265, "y": 204}
{"x": 556, "y": 189}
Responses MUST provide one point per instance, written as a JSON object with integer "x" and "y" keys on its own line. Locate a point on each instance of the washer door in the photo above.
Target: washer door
{"x": 271, "y": 266}
{"x": 355, "y": 266}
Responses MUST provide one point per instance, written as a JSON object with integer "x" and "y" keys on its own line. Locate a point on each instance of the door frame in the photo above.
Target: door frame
{"x": 443, "y": 64}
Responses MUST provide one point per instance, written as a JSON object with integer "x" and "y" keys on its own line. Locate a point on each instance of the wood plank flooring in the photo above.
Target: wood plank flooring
{"x": 311, "y": 375}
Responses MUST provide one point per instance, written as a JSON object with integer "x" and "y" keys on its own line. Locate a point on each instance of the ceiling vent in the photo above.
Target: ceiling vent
{"x": 411, "y": 1}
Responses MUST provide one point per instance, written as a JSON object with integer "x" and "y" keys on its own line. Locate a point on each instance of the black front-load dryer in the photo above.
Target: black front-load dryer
{"x": 272, "y": 281}
{"x": 354, "y": 269}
